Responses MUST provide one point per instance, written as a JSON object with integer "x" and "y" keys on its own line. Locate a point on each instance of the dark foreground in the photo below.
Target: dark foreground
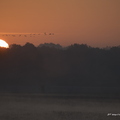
{"x": 54, "y": 107}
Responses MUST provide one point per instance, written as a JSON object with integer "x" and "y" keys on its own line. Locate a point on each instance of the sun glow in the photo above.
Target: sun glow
{"x": 3, "y": 44}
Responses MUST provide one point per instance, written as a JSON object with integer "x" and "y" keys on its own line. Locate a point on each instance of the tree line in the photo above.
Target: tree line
{"x": 29, "y": 68}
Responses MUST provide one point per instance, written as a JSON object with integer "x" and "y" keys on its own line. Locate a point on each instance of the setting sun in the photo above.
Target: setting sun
{"x": 3, "y": 44}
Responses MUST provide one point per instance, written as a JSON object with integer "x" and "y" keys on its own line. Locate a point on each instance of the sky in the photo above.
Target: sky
{"x": 92, "y": 22}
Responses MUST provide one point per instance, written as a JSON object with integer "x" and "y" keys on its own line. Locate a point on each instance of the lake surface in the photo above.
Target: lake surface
{"x": 57, "y": 107}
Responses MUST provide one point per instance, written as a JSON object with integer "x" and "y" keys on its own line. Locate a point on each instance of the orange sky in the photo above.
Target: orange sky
{"x": 92, "y": 22}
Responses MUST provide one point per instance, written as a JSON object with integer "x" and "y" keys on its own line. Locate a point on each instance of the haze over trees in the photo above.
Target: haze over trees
{"x": 52, "y": 68}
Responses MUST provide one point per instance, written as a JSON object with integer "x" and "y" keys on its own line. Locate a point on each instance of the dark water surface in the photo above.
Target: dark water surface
{"x": 57, "y": 107}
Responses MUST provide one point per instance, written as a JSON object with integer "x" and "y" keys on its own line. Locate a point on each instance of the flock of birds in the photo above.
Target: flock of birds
{"x": 27, "y": 34}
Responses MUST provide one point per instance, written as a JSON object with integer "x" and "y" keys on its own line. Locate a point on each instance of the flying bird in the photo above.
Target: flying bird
{"x": 45, "y": 33}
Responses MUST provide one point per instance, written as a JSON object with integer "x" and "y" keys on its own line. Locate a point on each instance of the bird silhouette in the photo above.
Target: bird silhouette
{"x": 45, "y": 33}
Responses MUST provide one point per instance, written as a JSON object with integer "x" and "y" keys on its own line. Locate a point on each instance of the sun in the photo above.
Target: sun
{"x": 3, "y": 44}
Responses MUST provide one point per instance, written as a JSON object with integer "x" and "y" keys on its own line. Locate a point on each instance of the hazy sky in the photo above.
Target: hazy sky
{"x": 92, "y": 22}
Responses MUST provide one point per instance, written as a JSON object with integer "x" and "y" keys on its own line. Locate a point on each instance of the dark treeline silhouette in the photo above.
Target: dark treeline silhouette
{"x": 50, "y": 68}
